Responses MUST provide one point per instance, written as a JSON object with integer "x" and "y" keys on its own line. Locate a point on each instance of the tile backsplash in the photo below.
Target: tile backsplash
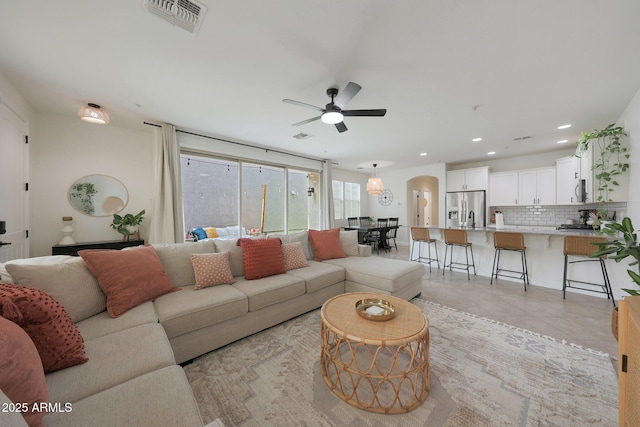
{"x": 552, "y": 216}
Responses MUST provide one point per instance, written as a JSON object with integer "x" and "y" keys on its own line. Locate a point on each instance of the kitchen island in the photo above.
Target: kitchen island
{"x": 545, "y": 257}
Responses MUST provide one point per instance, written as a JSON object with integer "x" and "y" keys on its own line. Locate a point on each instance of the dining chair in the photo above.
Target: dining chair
{"x": 353, "y": 221}
{"x": 392, "y": 233}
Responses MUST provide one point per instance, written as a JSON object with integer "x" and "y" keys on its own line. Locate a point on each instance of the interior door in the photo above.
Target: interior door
{"x": 13, "y": 176}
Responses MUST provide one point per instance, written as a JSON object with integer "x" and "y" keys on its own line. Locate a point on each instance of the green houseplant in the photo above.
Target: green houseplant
{"x": 127, "y": 225}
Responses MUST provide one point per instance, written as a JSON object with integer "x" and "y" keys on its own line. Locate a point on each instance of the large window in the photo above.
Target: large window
{"x": 270, "y": 198}
{"x": 346, "y": 199}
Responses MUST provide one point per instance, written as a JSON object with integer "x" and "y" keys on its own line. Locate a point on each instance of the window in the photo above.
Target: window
{"x": 346, "y": 199}
{"x": 213, "y": 190}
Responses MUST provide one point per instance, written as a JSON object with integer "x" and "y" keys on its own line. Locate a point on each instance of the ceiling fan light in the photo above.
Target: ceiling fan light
{"x": 332, "y": 117}
{"x": 375, "y": 186}
{"x": 92, "y": 113}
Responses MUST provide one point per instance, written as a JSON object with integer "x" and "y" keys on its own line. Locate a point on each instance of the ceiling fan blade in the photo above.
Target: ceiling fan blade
{"x": 302, "y": 104}
{"x": 378, "y": 113}
{"x": 341, "y": 127}
{"x": 347, "y": 94}
{"x": 304, "y": 122}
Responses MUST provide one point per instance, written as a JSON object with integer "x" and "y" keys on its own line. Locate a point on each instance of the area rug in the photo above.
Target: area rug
{"x": 483, "y": 373}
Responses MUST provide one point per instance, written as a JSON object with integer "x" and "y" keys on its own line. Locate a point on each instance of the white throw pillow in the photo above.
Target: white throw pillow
{"x": 349, "y": 242}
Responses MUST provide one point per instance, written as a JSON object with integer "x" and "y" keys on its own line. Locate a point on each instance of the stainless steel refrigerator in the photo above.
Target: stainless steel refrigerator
{"x": 466, "y": 209}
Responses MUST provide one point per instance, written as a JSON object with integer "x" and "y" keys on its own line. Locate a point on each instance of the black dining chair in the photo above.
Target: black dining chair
{"x": 353, "y": 221}
{"x": 392, "y": 233}
{"x": 376, "y": 235}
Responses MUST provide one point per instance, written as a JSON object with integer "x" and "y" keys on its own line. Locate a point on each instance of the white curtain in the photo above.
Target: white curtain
{"x": 167, "y": 221}
{"x": 328, "y": 216}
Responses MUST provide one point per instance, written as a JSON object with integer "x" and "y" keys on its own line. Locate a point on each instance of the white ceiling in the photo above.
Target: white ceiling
{"x": 447, "y": 71}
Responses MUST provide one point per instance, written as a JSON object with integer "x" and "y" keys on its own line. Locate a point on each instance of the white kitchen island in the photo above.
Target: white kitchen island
{"x": 545, "y": 258}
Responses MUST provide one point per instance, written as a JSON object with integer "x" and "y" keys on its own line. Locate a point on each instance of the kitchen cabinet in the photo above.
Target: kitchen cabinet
{"x": 570, "y": 171}
{"x": 537, "y": 186}
{"x": 629, "y": 360}
{"x": 503, "y": 189}
{"x": 468, "y": 179}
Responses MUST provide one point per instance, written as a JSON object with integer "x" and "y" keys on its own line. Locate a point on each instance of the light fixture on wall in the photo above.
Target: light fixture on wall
{"x": 310, "y": 191}
{"x": 374, "y": 185}
{"x": 93, "y": 114}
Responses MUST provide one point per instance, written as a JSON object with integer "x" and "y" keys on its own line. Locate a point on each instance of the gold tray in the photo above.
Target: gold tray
{"x": 388, "y": 309}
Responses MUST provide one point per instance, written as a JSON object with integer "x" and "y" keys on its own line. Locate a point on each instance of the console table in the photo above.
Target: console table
{"x": 108, "y": 244}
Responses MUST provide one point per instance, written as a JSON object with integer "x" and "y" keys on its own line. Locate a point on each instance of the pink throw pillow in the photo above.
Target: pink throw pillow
{"x": 293, "y": 255}
{"x": 128, "y": 278}
{"x": 212, "y": 269}
{"x": 326, "y": 244}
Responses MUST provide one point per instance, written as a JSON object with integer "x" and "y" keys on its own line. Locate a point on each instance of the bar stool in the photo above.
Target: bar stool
{"x": 581, "y": 246}
{"x": 509, "y": 241}
{"x": 456, "y": 237}
{"x": 421, "y": 235}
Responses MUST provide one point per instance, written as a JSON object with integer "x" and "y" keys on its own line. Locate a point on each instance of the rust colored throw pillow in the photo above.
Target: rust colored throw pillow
{"x": 326, "y": 244}
{"x": 54, "y": 334}
{"x": 293, "y": 255}
{"x": 21, "y": 373}
{"x": 212, "y": 269}
{"x": 261, "y": 258}
{"x": 128, "y": 278}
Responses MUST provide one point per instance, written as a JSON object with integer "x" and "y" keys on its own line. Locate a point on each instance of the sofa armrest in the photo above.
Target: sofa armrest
{"x": 364, "y": 250}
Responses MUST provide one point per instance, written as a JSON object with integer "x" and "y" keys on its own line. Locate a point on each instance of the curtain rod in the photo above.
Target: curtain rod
{"x": 242, "y": 144}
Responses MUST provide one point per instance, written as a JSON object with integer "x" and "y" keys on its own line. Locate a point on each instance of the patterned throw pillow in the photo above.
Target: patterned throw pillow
{"x": 261, "y": 257}
{"x": 54, "y": 334}
{"x": 212, "y": 269}
{"x": 293, "y": 255}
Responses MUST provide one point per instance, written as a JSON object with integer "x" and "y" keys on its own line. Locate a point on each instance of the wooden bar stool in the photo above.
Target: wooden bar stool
{"x": 581, "y": 246}
{"x": 456, "y": 237}
{"x": 421, "y": 235}
{"x": 509, "y": 241}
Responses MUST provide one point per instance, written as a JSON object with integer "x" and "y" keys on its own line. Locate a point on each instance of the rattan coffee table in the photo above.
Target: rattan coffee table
{"x": 379, "y": 366}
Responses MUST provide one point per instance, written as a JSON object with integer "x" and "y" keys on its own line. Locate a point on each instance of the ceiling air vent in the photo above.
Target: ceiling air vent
{"x": 187, "y": 14}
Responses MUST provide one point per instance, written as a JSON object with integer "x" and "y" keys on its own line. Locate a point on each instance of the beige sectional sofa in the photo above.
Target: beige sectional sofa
{"x": 132, "y": 376}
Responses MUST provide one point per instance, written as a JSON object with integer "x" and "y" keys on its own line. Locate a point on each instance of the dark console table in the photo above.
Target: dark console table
{"x": 109, "y": 244}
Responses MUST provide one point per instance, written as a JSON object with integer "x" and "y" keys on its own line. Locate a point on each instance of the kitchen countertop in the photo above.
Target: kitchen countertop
{"x": 531, "y": 229}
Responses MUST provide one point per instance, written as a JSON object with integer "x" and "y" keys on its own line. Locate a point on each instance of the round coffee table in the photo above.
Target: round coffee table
{"x": 379, "y": 366}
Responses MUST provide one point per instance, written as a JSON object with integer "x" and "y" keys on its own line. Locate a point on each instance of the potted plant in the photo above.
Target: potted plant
{"x": 618, "y": 250}
{"x": 127, "y": 225}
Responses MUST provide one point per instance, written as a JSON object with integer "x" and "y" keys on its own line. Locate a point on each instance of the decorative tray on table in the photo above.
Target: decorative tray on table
{"x": 375, "y": 309}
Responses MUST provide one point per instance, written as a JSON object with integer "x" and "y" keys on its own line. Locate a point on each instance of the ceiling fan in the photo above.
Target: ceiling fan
{"x": 333, "y": 112}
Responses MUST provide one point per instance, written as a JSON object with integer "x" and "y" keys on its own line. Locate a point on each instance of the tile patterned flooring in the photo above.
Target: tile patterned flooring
{"x": 581, "y": 319}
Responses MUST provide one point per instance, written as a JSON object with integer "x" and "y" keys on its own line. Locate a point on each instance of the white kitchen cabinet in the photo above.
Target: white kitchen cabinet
{"x": 537, "y": 186}
{"x": 503, "y": 189}
{"x": 567, "y": 180}
{"x": 468, "y": 179}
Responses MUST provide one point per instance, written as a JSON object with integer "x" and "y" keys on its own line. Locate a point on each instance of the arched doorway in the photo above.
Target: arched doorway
{"x": 422, "y": 192}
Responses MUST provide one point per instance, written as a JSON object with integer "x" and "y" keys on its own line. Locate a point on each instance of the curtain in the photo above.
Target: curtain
{"x": 328, "y": 216}
{"x": 167, "y": 221}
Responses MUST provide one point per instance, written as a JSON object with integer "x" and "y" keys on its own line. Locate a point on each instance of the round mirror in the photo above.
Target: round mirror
{"x": 98, "y": 195}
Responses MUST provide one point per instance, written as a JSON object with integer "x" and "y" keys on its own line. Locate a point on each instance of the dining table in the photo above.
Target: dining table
{"x": 364, "y": 229}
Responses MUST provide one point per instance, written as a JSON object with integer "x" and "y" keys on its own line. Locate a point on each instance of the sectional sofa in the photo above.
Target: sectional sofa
{"x": 132, "y": 375}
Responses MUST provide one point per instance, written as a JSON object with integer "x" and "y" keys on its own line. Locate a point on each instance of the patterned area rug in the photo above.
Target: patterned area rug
{"x": 483, "y": 373}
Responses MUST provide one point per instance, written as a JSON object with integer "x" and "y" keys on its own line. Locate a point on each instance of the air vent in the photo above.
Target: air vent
{"x": 302, "y": 135}
{"x": 522, "y": 138}
{"x": 187, "y": 14}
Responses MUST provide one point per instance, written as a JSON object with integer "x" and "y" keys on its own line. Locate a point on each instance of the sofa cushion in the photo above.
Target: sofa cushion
{"x": 293, "y": 256}
{"x": 69, "y": 282}
{"x": 102, "y": 324}
{"x": 128, "y": 278}
{"x": 199, "y": 233}
{"x": 326, "y": 244}
{"x": 319, "y": 275}
{"x": 5, "y": 277}
{"x": 54, "y": 334}
{"x": 159, "y": 398}
{"x": 235, "y": 255}
{"x": 212, "y": 269}
{"x": 386, "y": 274}
{"x": 190, "y": 309}
{"x": 21, "y": 373}
{"x": 176, "y": 260}
{"x": 211, "y": 232}
{"x": 302, "y": 237}
{"x": 270, "y": 290}
{"x": 349, "y": 242}
{"x": 262, "y": 258}
{"x": 113, "y": 359}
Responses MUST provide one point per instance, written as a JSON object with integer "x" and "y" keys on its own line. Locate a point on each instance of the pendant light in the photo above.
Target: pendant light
{"x": 374, "y": 185}
{"x": 93, "y": 114}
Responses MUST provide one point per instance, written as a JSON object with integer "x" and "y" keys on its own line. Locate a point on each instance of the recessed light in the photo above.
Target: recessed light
{"x": 562, "y": 141}
{"x": 423, "y": 154}
{"x": 564, "y": 126}
{"x": 491, "y": 153}
{"x": 476, "y": 140}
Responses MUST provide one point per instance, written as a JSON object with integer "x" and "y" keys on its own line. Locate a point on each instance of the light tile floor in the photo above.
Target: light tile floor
{"x": 581, "y": 319}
